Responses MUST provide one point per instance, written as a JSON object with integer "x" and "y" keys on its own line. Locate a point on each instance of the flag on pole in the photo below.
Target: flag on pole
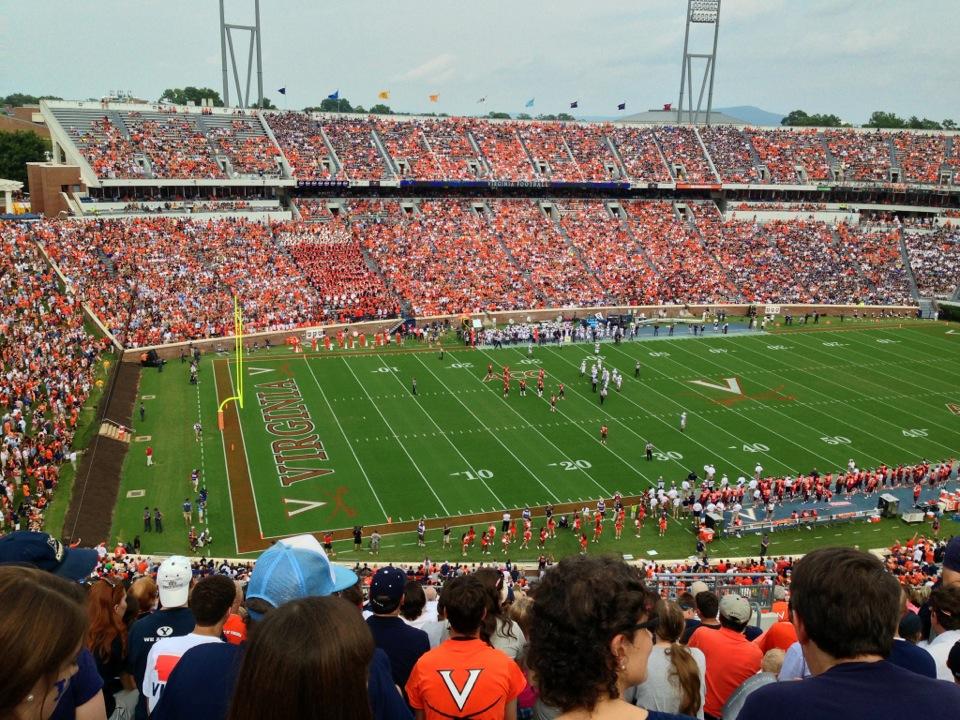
{"x": 575, "y": 104}
{"x": 282, "y": 91}
{"x": 622, "y": 106}
{"x": 434, "y": 98}
{"x": 530, "y": 102}
{"x": 384, "y": 94}
{"x": 481, "y": 100}
{"x": 335, "y": 95}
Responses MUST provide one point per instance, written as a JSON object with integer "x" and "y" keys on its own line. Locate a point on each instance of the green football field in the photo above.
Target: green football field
{"x": 327, "y": 440}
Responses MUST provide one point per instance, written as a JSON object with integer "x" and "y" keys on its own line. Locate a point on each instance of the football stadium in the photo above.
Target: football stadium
{"x": 658, "y": 411}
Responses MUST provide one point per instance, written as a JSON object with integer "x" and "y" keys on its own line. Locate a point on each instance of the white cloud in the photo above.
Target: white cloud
{"x": 436, "y": 70}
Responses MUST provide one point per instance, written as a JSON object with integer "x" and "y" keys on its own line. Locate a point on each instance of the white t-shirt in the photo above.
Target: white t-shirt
{"x": 163, "y": 658}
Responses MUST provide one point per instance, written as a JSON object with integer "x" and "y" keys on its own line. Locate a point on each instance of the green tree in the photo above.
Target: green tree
{"x": 329, "y": 105}
{"x": 381, "y": 109}
{"x": 182, "y": 96}
{"x": 542, "y": 116}
{"x": 267, "y": 105}
{"x": 498, "y": 115}
{"x": 798, "y": 118}
{"x": 524, "y": 116}
{"x": 883, "y": 119}
{"x": 566, "y": 117}
{"x": 17, "y": 149}
{"x": 916, "y": 123}
{"x": 949, "y": 124}
{"x": 18, "y": 99}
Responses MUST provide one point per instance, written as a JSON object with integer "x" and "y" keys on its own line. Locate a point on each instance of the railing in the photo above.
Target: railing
{"x": 758, "y": 592}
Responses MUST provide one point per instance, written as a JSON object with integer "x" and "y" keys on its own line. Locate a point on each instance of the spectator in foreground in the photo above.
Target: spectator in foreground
{"x": 174, "y": 619}
{"x": 591, "y": 633}
{"x": 945, "y": 620}
{"x": 307, "y": 660}
{"x": 675, "y": 673}
{"x": 38, "y": 658}
{"x": 953, "y": 662}
{"x": 402, "y": 643}
{"x": 498, "y": 629}
{"x": 708, "y": 604}
{"x": 731, "y": 658}
{"x": 846, "y": 649}
{"x": 769, "y": 669}
{"x": 904, "y": 651}
{"x": 465, "y": 677}
{"x": 107, "y": 637}
{"x": 82, "y": 699}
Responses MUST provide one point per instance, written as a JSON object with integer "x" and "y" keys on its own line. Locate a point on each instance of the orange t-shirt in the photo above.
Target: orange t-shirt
{"x": 779, "y": 635}
{"x": 235, "y": 629}
{"x": 731, "y": 659}
{"x": 464, "y": 678}
{"x": 782, "y": 609}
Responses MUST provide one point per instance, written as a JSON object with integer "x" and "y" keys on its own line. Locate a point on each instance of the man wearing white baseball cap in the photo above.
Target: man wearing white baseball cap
{"x": 173, "y": 619}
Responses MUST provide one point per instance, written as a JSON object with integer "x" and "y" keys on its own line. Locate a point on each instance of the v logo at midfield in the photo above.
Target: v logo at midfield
{"x": 460, "y": 695}
{"x": 732, "y": 386}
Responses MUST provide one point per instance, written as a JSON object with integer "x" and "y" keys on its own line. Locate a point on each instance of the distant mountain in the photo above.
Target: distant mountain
{"x": 753, "y": 115}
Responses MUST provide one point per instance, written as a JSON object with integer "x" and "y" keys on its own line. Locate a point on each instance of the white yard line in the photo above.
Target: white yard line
{"x": 491, "y": 433}
{"x": 345, "y": 439}
{"x": 395, "y": 436}
{"x": 861, "y": 412}
{"x": 223, "y": 444}
{"x": 443, "y": 434}
{"x": 899, "y": 379}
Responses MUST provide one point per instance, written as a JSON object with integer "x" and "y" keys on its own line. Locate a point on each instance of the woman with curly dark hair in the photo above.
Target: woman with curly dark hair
{"x": 592, "y": 630}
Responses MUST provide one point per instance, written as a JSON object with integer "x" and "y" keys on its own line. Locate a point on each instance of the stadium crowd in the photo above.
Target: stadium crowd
{"x": 295, "y": 635}
{"x": 48, "y": 361}
{"x": 154, "y": 280}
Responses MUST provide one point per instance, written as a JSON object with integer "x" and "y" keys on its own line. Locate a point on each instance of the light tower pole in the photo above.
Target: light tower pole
{"x": 699, "y": 12}
{"x": 226, "y": 43}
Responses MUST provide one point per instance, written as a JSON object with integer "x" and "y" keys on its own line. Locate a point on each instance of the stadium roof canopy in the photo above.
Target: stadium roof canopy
{"x": 669, "y": 117}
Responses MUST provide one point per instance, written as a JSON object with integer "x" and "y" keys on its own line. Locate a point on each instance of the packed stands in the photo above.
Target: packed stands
{"x": 108, "y": 151}
{"x": 920, "y": 156}
{"x": 783, "y": 151}
{"x": 405, "y": 141}
{"x": 682, "y": 149}
{"x": 545, "y": 144}
{"x": 48, "y": 360}
{"x": 502, "y": 149}
{"x": 731, "y": 152}
{"x": 302, "y": 141}
{"x": 352, "y": 141}
{"x": 331, "y": 259}
{"x": 877, "y": 252}
{"x": 616, "y": 257}
{"x": 640, "y": 154}
{"x": 174, "y": 145}
{"x": 442, "y": 257}
{"x": 935, "y": 259}
{"x": 863, "y": 156}
{"x": 591, "y": 151}
{"x": 248, "y": 148}
{"x": 159, "y": 280}
{"x": 537, "y": 247}
{"x": 455, "y": 156}
{"x": 688, "y": 272}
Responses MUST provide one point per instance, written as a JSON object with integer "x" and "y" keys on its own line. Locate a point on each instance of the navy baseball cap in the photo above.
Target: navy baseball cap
{"x": 295, "y": 568}
{"x": 951, "y": 556}
{"x": 386, "y": 589}
{"x": 45, "y": 552}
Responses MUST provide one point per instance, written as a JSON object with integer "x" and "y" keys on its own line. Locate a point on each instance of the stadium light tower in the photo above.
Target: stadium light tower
{"x": 226, "y": 41}
{"x": 699, "y": 12}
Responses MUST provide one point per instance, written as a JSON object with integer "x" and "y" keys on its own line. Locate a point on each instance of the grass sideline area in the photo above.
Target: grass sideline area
{"x": 792, "y": 399}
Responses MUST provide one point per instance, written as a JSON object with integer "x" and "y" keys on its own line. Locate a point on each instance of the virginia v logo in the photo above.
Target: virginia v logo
{"x": 460, "y": 696}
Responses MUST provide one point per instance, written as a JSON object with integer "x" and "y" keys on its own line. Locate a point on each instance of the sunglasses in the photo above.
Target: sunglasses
{"x": 652, "y": 624}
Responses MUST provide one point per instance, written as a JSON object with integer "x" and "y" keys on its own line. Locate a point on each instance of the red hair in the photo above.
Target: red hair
{"x": 105, "y": 623}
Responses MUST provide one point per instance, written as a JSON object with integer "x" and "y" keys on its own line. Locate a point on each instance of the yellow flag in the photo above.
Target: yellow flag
{"x": 434, "y": 98}
{"x": 384, "y": 95}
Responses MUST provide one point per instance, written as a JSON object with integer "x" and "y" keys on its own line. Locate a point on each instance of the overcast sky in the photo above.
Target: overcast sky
{"x": 849, "y": 57}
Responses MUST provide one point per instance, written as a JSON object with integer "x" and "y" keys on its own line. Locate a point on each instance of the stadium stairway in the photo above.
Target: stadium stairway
{"x": 754, "y": 155}
{"x": 334, "y": 158}
{"x": 621, "y": 165}
{"x": 487, "y": 170}
{"x": 663, "y": 157}
{"x": 905, "y": 258}
{"x": 831, "y": 160}
{"x": 574, "y": 250}
{"x": 703, "y": 146}
{"x": 705, "y": 207}
{"x": 625, "y": 224}
{"x": 838, "y": 246}
{"x": 388, "y": 161}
